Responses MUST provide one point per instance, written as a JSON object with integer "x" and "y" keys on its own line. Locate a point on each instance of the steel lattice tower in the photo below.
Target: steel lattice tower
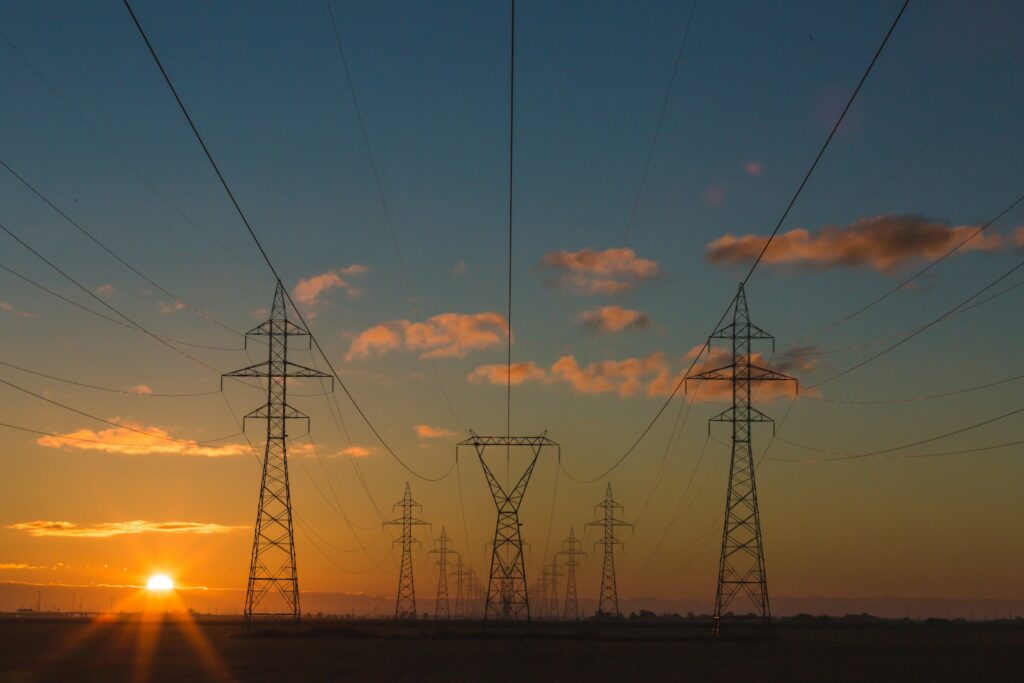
{"x": 507, "y": 596}
{"x": 741, "y": 567}
{"x": 460, "y": 588}
{"x": 571, "y": 550}
{"x": 273, "y": 588}
{"x": 552, "y": 589}
{"x": 442, "y": 609}
{"x": 608, "y": 604}
{"x": 405, "y": 603}
{"x": 542, "y": 586}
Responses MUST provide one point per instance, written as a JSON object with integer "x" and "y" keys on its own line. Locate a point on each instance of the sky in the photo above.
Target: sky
{"x": 606, "y": 310}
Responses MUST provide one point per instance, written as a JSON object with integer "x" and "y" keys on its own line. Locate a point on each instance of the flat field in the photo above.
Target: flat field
{"x": 180, "y": 650}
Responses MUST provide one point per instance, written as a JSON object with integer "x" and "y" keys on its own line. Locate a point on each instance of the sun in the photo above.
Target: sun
{"x": 159, "y": 582}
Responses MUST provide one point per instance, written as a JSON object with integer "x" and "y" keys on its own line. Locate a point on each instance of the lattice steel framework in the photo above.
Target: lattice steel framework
{"x": 405, "y": 602}
{"x": 460, "y": 588}
{"x": 272, "y": 591}
{"x": 442, "y": 548}
{"x": 552, "y": 589}
{"x": 608, "y": 603}
{"x": 741, "y": 569}
{"x": 571, "y": 552}
{"x": 507, "y": 596}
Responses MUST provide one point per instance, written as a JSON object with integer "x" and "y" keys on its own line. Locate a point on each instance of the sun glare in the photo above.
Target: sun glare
{"x": 159, "y": 582}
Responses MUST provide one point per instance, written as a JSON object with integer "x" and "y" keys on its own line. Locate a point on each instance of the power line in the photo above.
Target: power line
{"x": 112, "y": 390}
{"x": 201, "y": 314}
{"x": 111, "y": 422}
{"x": 263, "y": 252}
{"x": 821, "y": 152}
{"x": 120, "y": 157}
{"x": 383, "y": 202}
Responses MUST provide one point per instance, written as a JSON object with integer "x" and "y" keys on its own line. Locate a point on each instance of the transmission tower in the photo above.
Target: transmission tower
{"x": 272, "y": 591}
{"x": 405, "y": 603}
{"x": 442, "y": 609}
{"x": 460, "y": 588}
{"x": 571, "y": 551}
{"x": 542, "y": 585}
{"x": 506, "y": 587}
{"x": 741, "y": 567}
{"x": 552, "y": 590}
{"x": 608, "y": 604}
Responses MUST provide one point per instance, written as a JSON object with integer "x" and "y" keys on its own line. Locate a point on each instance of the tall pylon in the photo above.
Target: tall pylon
{"x": 405, "y": 602}
{"x": 542, "y": 586}
{"x": 507, "y": 596}
{"x": 571, "y": 552}
{"x": 552, "y": 589}
{"x": 608, "y": 603}
{"x": 460, "y": 588}
{"x": 442, "y": 608}
{"x": 741, "y": 568}
{"x": 272, "y": 591}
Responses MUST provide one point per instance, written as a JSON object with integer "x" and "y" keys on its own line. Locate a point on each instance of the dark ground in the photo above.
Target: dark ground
{"x": 48, "y": 650}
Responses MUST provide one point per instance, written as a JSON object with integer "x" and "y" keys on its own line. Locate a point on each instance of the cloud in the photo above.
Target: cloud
{"x": 448, "y": 335}
{"x": 104, "y": 290}
{"x": 127, "y": 442}
{"x": 354, "y": 451}
{"x": 614, "y": 319}
{"x": 882, "y": 243}
{"x": 428, "y": 432}
{"x": 753, "y": 168}
{"x": 109, "y": 529}
{"x": 11, "y": 308}
{"x": 623, "y": 377}
{"x": 141, "y": 389}
{"x": 167, "y": 307}
{"x": 17, "y": 565}
{"x": 607, "y": 272}
{"x": 309, "y": 289}
{"x": 499, "y": 374}
{"x": 1018, "y": 237}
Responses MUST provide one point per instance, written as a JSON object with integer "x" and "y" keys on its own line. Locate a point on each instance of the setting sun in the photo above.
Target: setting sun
{"x": 159, "y": 582}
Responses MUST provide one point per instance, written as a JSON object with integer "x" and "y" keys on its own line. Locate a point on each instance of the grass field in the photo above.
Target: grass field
{"x": 178, "y": 650}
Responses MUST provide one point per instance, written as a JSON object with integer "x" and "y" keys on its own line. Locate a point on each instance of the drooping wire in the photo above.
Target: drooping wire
{"x": 266, "y": 257}
{"x": 384, "y": 204}
{"x": 828, "y": 140}
{"x": 112, "y": 390}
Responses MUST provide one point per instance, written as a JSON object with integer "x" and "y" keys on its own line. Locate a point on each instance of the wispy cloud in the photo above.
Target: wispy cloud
{"x": 500, "y": 374}
{"x": 13, "y": 310}
{"x": 104, "y": 290}
{"x": 448, "y": 335}
{"x": 882, "y": 243}
{"x": 614, "y": 319}
{"x": 17, "y": 565}
{"x": 309, "y": 289}
{"x": 354, "y": 451}
{"x": 110, "y": 529}
{"x": 753, "y": 168}
{"x": 128, "y": 442}
{"x": 588, "y": 271}
{"x": 623, "y": 377}
{"x": 428, "y": 432}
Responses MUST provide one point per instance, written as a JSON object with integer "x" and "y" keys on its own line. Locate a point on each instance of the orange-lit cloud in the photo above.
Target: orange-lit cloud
{"x": 500, "y": 374}
{"x": 714, "y": 195}
{"x": 167, "y": 307}
{"x": 127, "y": 442}
{"x": 141, "y": 389}
{"x": 448, "y": 335}
{"x": 104, "y": 290}
{"x": 611, "y": 271}
{"x": 614, "y": 319}
{"x": 109, "y": 529}
{"x": 753, "y": 168}
{"x": 1018, "y": 237}
{"x": 882, "y": 243}
{"x": 17, "y": 565}
{"x": 623, "y": 377}
{"x": 354, "y": 451}
{"x": 428, "y": 432}
{"x": 309, "y": 289}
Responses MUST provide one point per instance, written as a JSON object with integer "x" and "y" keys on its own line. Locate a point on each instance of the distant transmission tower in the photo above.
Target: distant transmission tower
{"x": 552, "y": 589}
{"x": 506, "y": 588}
{"x": 608, "y": 604}
{"x": 460, "y": 588}
{"x": 542, "y": 585}
{"x": 442, "y": 610}
{"x": 405, "y": 603}
{"x": 571, "y": 551}
{"x": 273, "y": 588}
{"x": 741, "y": 568}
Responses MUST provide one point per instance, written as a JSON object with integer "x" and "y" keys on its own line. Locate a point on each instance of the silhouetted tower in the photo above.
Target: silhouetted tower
{"x": 542, "y": 585}
{"x": 442, "y": 610}
{"x": 552, "y": 589}
{"x": 741, "y": 567}
{"x": 608, "y": 603}
{"x": 571, "y": 551}
{"x": 273, "y": 587}
{"x": 506, "y": 596}
{"x": 460, "y": 588}
{"x": 405, "y": 603}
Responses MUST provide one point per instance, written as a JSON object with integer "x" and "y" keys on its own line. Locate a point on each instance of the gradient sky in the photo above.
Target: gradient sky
{"x": 757, "y": 91}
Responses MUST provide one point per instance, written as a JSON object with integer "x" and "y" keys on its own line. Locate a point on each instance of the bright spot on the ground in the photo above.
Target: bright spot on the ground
{"x": 159, "y": 582}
